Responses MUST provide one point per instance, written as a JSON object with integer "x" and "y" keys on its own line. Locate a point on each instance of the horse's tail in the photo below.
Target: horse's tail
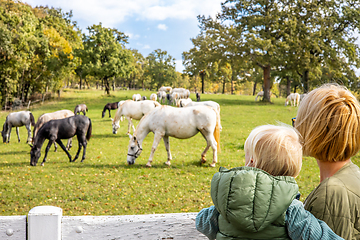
{"x": 32, "y": 119}
{"x": 217, "y": 130}
{"x": 88, "y": 134}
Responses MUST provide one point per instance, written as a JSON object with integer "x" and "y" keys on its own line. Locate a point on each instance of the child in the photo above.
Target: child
{"x": 259, "y": 201}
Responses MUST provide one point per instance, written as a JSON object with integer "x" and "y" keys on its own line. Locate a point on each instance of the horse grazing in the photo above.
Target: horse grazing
{"x": 58, "y": 129}
{"x": 161, "y": 96}
{"x": 17, "y": 119}
{"x": 153, "y": 97}
{"x": 294, "y": 99}
{"x": 181, "y": 123}
{"x": 109, "y": 106}
{"x": 132, "y": 110}
{"x": 136, "y": 97}
{"x": 51, "y": 116}
{"x": 81, "y": 108}
{"x": 183, "y": 102}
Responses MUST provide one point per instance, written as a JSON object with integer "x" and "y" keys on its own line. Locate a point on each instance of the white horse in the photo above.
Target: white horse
{"x": 181, "y": 123}
{"x": 261, "y": 94}
{"x": 162, "y": 96}
{"x": 132, "y": 110}
{"x": 153, "y": 97}
{"x": 183, "y": 102}
{"x": 136, "y": 97}
{"x": 294, "y": 99}
{"x": 165, "y": 89}
{"x": 17, "y": 119}
{"x": 211, "y": 104}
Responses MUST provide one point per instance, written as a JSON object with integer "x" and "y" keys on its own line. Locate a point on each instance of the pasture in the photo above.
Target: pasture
{"x": 105, "y": 185}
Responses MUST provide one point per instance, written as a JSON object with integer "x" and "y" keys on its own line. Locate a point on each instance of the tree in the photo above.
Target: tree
{"x": 108, "y": 57}
{"x": 160, "y": 68}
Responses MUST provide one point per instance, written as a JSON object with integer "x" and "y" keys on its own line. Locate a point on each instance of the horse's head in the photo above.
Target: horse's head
{"x": 35, "y": 154}
{"x": 115, "y": 126}
{"x": 4, "y": 136}
{"x": 134, "y": 150}
{"x": 103, "y": 114}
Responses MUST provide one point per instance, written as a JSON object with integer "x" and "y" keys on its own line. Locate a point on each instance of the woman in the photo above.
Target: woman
{"x": 329, "y": 121}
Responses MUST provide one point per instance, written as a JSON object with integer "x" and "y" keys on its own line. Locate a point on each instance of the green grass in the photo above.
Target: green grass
{"x": 105, "y": 185}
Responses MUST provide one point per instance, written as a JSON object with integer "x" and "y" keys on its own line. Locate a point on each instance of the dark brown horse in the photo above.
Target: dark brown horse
{"x": 110, "y": 106}
{"x": 81, "y": 108}
{"x": 58, "y": 129}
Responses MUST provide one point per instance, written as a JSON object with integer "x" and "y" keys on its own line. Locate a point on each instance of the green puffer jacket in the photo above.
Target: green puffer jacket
{"x": 252, "y": 203}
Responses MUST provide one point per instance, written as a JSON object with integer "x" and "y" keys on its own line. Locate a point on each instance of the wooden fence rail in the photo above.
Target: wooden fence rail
{"x": 47, "y": 223}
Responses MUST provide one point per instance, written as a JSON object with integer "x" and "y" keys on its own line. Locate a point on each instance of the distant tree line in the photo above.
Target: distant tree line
{"x": 298, "y": 44}
{"x": 42, "y": 50}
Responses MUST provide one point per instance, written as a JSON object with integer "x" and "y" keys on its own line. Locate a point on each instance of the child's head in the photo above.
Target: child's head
{"x": 328, "y": 120}
{"x": 274, "y": 149}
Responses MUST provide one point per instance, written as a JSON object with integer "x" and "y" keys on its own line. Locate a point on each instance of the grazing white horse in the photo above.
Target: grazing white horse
{"x": 162, "y": 96}
{"x": 17, "y": 119}
{"x": 153, "y": 97}
{"x": 132, "y": 110}
{"x": 211, "y": 104}
{"x": 183, "y": 102}
{"x": 260, "y": 94}
{"x": 181, "y": 123}
{"x": 165, "y": 89}
{"x": 294, "y": 99}
{"x": 136, "y": 97}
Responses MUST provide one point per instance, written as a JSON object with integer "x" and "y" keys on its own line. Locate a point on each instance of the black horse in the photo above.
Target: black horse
{"x": 58, "y": 129}
{"x": 109, "y": 106}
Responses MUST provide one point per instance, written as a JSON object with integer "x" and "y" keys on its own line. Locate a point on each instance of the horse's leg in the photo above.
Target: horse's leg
{"x": 46, "y": 151}
{"x": 55, "y": 146}
{"x": 28, "y": 127}
{"x": 17, "y": 132}
{"x": 129, "y": 124}
{"x": 211, "y": 142}
{"x": 69, "y": 144}
{"x": 167, "y": 146}
{"x": 157, "y": 138}
{"x": 63, "y": 148}
{"x": 109, "y": 113}
{"x": 8, "y": 139}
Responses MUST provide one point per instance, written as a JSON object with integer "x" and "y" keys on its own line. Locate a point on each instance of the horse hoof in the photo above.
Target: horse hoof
{"x": 168, "y": 163}
{"x": 203, "y": 160}
{"x": 148, "y": 165}
{"x": 42, "y": 164}
{"x": 212, "y": 165}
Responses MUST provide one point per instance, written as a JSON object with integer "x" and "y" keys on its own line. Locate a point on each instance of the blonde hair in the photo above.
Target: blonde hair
{"x": 275, "y": 149}
{"x": 329, "y": 121}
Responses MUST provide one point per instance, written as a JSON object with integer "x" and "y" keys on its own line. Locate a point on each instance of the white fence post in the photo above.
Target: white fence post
{"x": 44, "y": 223}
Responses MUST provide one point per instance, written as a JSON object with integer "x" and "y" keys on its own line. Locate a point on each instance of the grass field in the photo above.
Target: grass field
{"x": 105, "y": 185}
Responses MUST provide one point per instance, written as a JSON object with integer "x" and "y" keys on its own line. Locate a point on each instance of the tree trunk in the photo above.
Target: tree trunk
{"x": 224, "y": 83}
{"x": 80, "y": 83}
{"x": 288, "y": 86}
{"x": 306, "y": 81}
{"x": 106, "y": 85}
{"x": 233, "y": 76}
{"x": 254, "y": 88}
{"x": 267, "y": 83}
{"x": 202, "y": 75}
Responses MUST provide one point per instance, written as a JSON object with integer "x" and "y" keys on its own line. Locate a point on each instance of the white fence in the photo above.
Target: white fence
{"x": 47, "y": 223}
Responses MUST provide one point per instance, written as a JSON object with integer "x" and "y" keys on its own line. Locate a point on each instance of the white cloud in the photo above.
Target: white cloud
{"x": 146, "y": 47}
{"x": 162, "y": 27}
{"x": 112, "y": 12}
{"x": 133, "y": 36}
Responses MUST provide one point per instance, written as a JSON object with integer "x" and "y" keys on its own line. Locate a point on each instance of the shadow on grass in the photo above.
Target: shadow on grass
{"x": 232, "y": 102}
{"x": 15, "y": 164}
{"x": 102, "y": 136}
{"x": 15, "y": 152}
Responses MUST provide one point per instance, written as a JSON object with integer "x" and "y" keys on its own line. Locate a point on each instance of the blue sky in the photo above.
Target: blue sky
{"x": 150, "y": 24}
